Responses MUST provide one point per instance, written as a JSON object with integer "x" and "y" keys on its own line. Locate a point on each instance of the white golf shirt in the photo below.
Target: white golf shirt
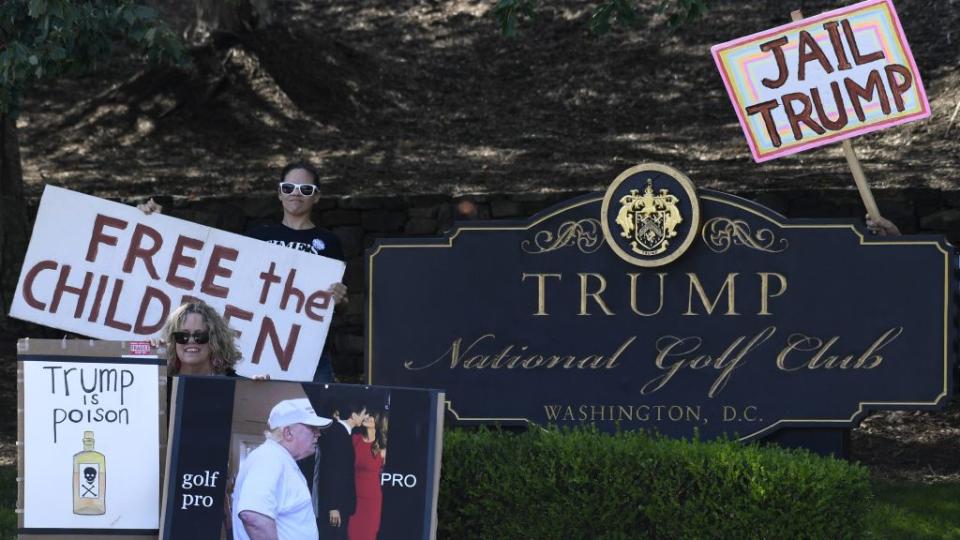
{"x": 270, "y": 483}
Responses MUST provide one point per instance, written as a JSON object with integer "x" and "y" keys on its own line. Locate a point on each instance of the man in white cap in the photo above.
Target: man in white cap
{"x": 270, "y": 498}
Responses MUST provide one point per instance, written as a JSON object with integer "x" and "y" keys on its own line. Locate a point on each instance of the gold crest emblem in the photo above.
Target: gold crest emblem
{"x": 650, "y": 227}
{"x": 649, "y": 221}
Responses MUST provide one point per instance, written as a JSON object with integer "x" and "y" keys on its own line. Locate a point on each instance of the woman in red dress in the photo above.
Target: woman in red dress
{"x": 370, "y": 451}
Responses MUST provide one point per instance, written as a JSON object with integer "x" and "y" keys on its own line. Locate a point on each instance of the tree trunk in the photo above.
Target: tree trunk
{"x": 14, "y": 228}
{"x": 231, "y": 16}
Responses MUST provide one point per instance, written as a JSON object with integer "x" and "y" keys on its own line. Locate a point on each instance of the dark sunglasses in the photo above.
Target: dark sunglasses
{"x": 288, "y": 188}
{"x": 198, "y": 337}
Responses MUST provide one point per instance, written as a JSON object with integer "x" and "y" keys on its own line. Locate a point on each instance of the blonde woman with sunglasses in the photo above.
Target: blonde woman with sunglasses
{"x": 199, "y": 342}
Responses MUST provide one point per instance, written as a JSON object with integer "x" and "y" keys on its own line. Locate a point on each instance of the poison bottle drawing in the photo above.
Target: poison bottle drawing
{"x": 89, "y": 479}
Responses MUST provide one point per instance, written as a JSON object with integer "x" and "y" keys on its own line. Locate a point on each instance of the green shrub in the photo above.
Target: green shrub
{"x": 573, "y": 484}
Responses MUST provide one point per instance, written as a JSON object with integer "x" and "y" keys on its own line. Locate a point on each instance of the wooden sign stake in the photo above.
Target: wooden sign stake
{"x": 853, "y": 162}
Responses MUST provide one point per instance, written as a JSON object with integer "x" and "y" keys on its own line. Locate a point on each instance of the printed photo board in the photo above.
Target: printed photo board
{"x": 380, "y": 473}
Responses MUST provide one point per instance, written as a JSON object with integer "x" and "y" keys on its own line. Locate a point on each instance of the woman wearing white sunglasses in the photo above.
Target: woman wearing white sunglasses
{"x": 298, "y": 193}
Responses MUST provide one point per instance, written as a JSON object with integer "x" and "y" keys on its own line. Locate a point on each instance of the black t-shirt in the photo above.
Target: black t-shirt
{"x": 316, "y": 240}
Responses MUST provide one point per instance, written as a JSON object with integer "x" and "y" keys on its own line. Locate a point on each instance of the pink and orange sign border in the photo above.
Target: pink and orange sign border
{"x": 729, "y": 72}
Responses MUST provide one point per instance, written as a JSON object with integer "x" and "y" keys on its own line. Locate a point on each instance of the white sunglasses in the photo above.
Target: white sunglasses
{"x": 289, "y": 188}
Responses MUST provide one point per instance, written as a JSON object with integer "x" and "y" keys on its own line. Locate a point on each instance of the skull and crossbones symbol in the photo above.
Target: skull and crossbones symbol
{"x": 89, "y": 474}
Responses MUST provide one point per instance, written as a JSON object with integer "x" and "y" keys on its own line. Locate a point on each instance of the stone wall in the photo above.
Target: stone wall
{"x": 359, "y": 221}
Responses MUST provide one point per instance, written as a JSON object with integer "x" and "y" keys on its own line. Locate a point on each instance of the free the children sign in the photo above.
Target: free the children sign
{"x": 822, "y": 79}
{"x": 108, "y": 271}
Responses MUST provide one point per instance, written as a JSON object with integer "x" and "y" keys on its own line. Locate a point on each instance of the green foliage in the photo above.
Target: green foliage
{"x": 584, "y": 484}
{"x": 49, "y": 38}
{"x": 621, "y": 11}
{"x": 682, "y": 11}
{"x": 915, "y": 511}
{"x": 607, "y": 13}
{"x": 508, "y": 12}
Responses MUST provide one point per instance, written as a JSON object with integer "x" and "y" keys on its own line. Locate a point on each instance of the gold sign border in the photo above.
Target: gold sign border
{"x": 801, "y": 422}
{"x": 688, "y": 188}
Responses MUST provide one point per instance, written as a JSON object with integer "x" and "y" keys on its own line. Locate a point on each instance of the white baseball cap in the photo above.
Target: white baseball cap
{"x": 296, "y": 411}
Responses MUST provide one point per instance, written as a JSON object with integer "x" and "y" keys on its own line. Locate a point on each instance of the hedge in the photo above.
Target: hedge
{"x": 573, "y": 484}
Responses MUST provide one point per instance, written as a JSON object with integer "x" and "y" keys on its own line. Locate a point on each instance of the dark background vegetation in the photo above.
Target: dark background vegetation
{"x": 404, "y": 97}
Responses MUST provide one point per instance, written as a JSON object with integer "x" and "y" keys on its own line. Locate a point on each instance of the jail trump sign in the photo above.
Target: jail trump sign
{"x": 108, "y": 271}
{"x": 822, "y": 79}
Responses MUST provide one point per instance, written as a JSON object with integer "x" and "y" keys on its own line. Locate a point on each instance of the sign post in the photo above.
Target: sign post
{"x": 853, "y": 161}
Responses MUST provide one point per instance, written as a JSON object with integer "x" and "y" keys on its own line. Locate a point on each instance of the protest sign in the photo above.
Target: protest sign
{"x": 218, "y": 441}
{"x": 108, "y": 271}
{"x": 822, "y": 79}
{"x": 91, "y": 438}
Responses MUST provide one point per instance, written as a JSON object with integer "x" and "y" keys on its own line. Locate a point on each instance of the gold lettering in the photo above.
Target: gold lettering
{"x": 453, "y": 351}
{"x": 666, "y": 346}
{"x": 552, "y": 412}
{"x": 633, "y": 294}
{"x": 541, "y": 291}
{"x": 880, "y": 343}
{"x": 595, "y": 295}
{"x": 765, "y": 295}
{"x": 728, "y": 285}
{"x": 530, "y": 363}
{"x": 512, "y": 356}
{"x": 675, "y": 346}
{"x": 724, "y": 377}
{"x": 797, "y": 342}
{"x": 869, "y": 359}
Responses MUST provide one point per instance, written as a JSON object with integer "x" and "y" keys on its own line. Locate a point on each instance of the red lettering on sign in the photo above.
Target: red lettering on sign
{"x": 898, "y": 88}
{"x": 289, "y": 290}
{"x": 98, "y": 237}
{"x": 137, "y": 251}
{"x": 151, "y": 294}
{"x": 98, "y": 298}
{"x": 230, "y": 311}
{"x": 62, "y": 287}
{"x": 214, "y": 269}
{"x": 111, "y": 319}
{"x": 268, "y": 278}
{"x": 316, "y": 301}
{"x": 179, "y": 259}
{"x": 28, "y": 295}
{"x": 284, "y": 354}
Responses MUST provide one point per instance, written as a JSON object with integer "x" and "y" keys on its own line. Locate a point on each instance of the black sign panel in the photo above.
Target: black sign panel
{"x": 382, "y": 462}
{"x": 759, "y": 324}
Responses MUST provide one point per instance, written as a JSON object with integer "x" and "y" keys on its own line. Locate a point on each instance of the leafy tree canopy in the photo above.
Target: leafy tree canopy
{"x": 47, "y": 38}
{"x": 605, "y": 13}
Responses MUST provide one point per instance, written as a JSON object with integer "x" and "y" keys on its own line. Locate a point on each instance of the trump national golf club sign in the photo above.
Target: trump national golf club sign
{"x": 659, "y": 306}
